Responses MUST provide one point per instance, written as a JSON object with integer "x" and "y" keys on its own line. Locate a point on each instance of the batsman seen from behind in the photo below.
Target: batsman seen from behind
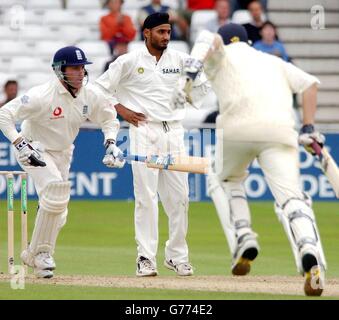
{"x": 143, "y": 82}
{"x": 51, "y": 116}
{"x": 256, "y": 121}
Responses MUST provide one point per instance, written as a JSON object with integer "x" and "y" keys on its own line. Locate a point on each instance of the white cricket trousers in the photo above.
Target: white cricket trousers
{"x": 279, "y": 162}
{"x": 57, "y": 170}
{"x": 172, "y": 187}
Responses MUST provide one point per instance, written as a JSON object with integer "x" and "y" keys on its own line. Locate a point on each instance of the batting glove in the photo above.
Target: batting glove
{"x": 114, "y": 156}
{"x": 308, "y": 135}
{"x": 192, "y": 67}
{"x": 29, "y": 154}
{"x": 181, "y": 94}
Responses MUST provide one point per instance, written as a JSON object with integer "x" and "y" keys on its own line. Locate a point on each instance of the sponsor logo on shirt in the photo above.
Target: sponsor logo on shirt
{"x": 57, "y": 113}
{"x": 170, "y": 70}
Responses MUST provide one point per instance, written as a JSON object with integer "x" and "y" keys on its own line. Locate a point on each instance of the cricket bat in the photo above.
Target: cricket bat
{"x": 180, "y": 163}
{"x": 328, "y": 166}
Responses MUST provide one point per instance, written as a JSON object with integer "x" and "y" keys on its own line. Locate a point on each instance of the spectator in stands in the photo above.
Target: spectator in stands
{"x": 180, "y": 27}
{"x": 269, "y": 42}
{"x": 258, "y": 18}
{"x": 116, "y": 24}
{"x": 243, "y": 4}
{"x": 11, "y": 91}
{"x": 119, "y": 47}
{"x": 222, "y": 7}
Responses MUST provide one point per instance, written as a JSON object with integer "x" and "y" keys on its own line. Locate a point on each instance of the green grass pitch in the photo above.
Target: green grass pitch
{"x": 98, "y": 239}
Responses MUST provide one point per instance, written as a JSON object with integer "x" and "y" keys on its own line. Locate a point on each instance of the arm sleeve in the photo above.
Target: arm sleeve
{"x": 209, "y": 49}
{"x": 109, "y": 81}
{"x": 21, "y": 108}
{"x": 105, "y": 115}
{"x": 298, "y": 79}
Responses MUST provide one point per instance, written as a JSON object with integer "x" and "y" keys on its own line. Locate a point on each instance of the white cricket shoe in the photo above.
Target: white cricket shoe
{"x": 182, "y": 269}
{"x": 245, "y": 253}
{"x": 42, "y": 263}
{"x": 145, "y": 268}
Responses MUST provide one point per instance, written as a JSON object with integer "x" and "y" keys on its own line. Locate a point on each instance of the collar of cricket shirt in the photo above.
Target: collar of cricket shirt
{"x": 61, "y": 89}
{"x": 147, "y": 53}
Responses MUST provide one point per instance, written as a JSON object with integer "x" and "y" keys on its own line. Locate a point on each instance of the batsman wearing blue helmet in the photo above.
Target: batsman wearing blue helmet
{"x": 51, "y": 116}
{"x": 256, "y": 121}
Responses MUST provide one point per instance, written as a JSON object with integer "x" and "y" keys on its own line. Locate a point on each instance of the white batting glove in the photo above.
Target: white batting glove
{"x": 308, "y": 135}
{"x": 181, "y": 94}
{"x": 30, "y": 154}
{"x": 114, "y": 156}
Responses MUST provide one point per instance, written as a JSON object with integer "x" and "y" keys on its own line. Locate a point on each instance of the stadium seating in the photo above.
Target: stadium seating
{"x": 177, "y": 45}
{"x": 198, "y": 22}
{"x": 83, "y": 4}
{"x": 44, "y": 4}
{"x": 241, "y": 17}
{"x": 314, "y": 50}
{"x": 96, "y": 48}
{"x": 12, "y": 48}
{"x": 31, "y": 79}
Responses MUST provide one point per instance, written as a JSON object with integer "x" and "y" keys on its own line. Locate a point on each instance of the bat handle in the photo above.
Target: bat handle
{"x": 316, "y": 147}
{"x": 131, "y": 157}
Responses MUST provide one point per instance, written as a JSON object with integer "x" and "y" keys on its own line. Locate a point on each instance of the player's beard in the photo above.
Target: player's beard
{"x": 159, "y": 45}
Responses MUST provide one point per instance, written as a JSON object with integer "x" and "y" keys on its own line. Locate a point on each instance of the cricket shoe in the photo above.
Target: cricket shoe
{"x": 182, "y": 269}
{"x": 42, "y": 263}
{"x": 145, "y": 268}
{"x": 245, "y": 253}
{"x": 314, "y": 275}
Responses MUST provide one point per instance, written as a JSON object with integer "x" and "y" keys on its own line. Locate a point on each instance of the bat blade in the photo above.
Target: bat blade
{"x": 181, "y": 163}
{"x": 328, "y": 166}
{"x": 199, "y": 165}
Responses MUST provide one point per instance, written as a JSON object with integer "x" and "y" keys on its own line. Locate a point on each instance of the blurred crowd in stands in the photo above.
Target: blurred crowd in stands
{"x": 119, "y": 27}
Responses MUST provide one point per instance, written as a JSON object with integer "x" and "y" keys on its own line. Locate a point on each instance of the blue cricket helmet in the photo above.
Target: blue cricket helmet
{"x": 69, "y": 56}
{"x": 232, "y": 33}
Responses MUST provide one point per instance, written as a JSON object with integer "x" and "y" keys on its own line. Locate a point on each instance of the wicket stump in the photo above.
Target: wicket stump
{"x": 10, "y": 215}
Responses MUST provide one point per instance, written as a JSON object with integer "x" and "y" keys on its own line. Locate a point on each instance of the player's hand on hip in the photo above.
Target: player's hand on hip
{"x": 114, "y": 156}
{"x": 129, "y": 115}
{"x": 29, "y": 153}
{"x": 308, "y": 135}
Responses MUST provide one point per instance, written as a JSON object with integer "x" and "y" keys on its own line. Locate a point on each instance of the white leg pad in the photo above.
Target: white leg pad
{"x": 299, "y": 223}
{"x": 50, "y": 218}
{"x": 220, "y": 199}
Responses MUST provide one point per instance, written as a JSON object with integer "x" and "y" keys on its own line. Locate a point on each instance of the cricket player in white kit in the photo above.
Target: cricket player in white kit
{"x": 143, "y": 81}
{"x": 51, "y": 116}
{"x": 256, "y": 122}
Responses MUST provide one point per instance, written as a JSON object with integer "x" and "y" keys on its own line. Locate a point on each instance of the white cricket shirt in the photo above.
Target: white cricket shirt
{"x": 254, "y": 90}
{"x": 142, "y": 84}
{"x": 53, "y": 117}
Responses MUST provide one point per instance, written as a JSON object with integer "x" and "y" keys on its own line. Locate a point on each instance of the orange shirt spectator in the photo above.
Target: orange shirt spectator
{"x": 116, "y": 24}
